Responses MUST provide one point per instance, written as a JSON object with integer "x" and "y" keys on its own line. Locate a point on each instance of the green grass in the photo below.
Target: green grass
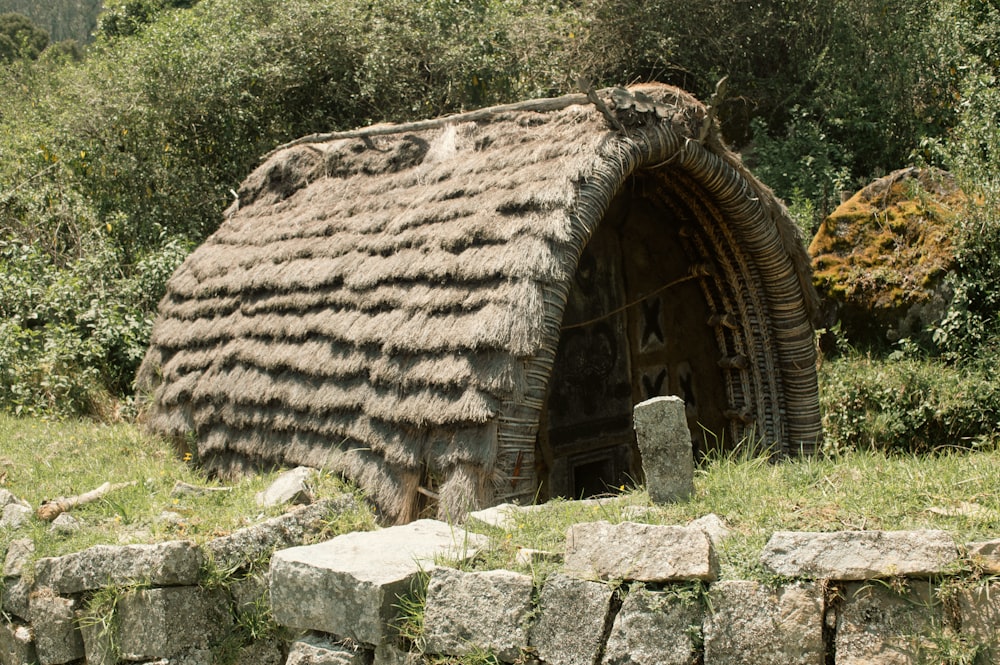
{"x": 953, "y": 490}
{"x": 44, "y": 459}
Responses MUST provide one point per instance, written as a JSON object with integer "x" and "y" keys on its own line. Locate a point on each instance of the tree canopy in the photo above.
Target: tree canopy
{"x": 114, "y": 165}
{"x": 20, "y": 38}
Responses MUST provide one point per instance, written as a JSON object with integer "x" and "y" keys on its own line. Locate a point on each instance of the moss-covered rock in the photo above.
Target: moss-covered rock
{"x": 880, "y": 258}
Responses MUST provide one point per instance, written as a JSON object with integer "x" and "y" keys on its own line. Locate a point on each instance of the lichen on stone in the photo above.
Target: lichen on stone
{"x": 880, "y": 258}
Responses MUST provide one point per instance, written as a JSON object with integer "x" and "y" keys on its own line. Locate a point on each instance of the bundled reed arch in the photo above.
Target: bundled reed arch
{"x": 468, "y": 308}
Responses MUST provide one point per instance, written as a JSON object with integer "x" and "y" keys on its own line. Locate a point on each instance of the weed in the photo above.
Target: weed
{"x": 409, "y": 623}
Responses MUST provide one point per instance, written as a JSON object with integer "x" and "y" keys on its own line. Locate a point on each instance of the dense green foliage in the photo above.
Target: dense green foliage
{"x": 114, "y": 165}
{"x": 908, "y": 404}
{"x": 20, "y": 38}
{"x": 62, "y": 19}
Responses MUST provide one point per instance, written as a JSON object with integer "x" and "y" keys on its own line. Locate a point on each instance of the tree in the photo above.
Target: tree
{"x": 20, "y": 38}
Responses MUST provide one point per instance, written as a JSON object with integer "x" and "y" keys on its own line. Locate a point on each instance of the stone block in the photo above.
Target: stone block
{"x": 571, "y": 617}
{"x": 487, "y": 611}
{"x": 98, "y": 641}
{"x": 985, "y": 555}
{"x": 979, "y": 614}
{"x": 64, "y": 525}
{"x": 753, "y": 624}
{"x": 161, "y": 623}
{"x": 527, "y": 557}
{"x": 713, "y": 526}
{"x": 640, "y": 552}
{"x": 664, "y": 440}
{"x": 859, "y": 555}
{"x": 255, "y": 543}
{"x": 16, "y": 645}
{"x": 15, "y": 515}
{"x": 655, "y": 628}
{"x": 261, "y": 652}
{"x": 349, "y": 586}
{"x": 18, "y": 553}
{"x": 53, "y": 620}
{"x": 388, "y": 653}
{"x": 322, "y": 650}
{"x": 163, "y": 564}
{"x": 292, "y": 486}
{"x": 876, "y": 624}
{"x": 7, "y": 497}
{"x": 14, "y": 597}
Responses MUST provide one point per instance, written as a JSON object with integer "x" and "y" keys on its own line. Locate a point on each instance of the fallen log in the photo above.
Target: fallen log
{"x": 49, "y": 510}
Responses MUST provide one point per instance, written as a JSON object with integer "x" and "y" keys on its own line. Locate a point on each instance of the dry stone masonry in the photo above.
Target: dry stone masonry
{"x": 627, "y": 594}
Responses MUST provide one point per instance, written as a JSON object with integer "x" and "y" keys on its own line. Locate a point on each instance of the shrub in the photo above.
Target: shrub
{"x": 908, "y": 404}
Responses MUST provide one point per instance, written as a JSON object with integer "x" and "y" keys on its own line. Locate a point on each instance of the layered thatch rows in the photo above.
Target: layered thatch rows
{"x": 388, "y": 302}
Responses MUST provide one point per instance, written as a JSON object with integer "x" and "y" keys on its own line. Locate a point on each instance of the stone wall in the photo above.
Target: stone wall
{"x": 171, "y": 602}
{"x": 626, "y": 594}
{"x": 638, "y": 594}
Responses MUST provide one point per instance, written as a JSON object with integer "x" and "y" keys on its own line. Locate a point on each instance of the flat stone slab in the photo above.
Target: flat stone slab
{"x": 639, "y": 552}
{"x": 859, "y": 555}
{"x": 571, "y": 618}
{"x": 753, "y": 624}
{"x": 319, "y": 650}
{"x": 655, "y": 628}
{"x": 879, "y": 625}
{"x": 174, "y": 563}
{"x": 477, "y": 611}
{"x": 349, "y": 586}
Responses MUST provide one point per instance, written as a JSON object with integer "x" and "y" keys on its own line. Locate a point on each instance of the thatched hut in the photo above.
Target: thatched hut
{"x": 468, "y": 308}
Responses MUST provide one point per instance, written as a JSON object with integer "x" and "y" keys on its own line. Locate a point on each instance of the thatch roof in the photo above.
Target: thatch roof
{"x": 387, "y": 302}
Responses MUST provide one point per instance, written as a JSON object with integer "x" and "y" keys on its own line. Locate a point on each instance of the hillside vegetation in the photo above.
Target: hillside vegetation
{"x": 118, "y": 156}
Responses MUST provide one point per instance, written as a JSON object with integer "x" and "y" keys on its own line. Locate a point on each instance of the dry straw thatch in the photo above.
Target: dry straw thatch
{"x": 388, "y": 302}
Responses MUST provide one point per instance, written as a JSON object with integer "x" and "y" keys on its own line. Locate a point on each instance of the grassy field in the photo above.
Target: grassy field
{"x": 954, "y": 490}
{"x": 43, "y": 459}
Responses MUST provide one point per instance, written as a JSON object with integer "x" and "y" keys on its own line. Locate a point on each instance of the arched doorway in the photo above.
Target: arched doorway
{"x": 640, "y": 321}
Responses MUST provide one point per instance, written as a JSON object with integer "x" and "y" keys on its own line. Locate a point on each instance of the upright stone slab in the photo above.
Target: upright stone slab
{"x": 172, "y": 563}
{"x": 53, "y": 620}
{"x": 349, "y": 586}
{"x": 19, "y": 553}
{"x": 859, "y": 555}
{"x": 571, "y": 618}
{"x": 979, "y": 614}
{"x": 160, "y": 623}
{"x": 879, "y": 625}
{"x": 665, "y": 445}
{"x": 752, "y": 624}
{"x": 478, "y": 611}
{"x": 640, "y": 552}
{"x": 654, "y": 628}
{"x": 14, "y": 597}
